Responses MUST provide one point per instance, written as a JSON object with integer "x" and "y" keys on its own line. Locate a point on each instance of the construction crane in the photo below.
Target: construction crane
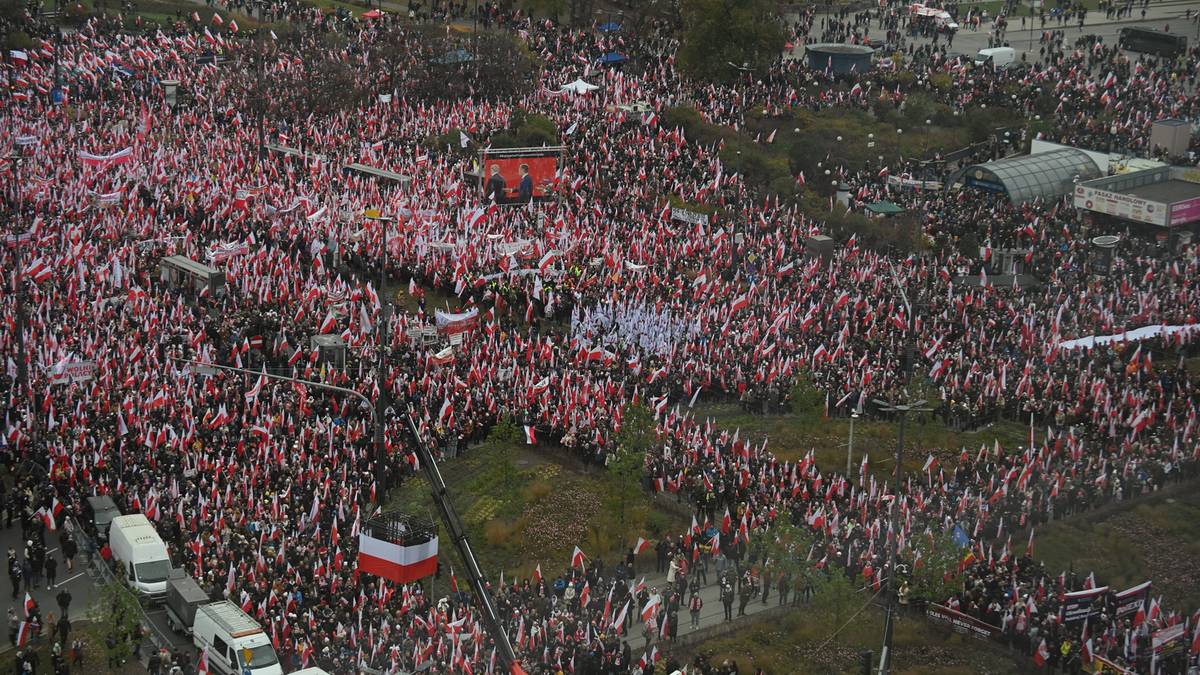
{"x": 437, "y": 489}
{"x": 458, "y": 536}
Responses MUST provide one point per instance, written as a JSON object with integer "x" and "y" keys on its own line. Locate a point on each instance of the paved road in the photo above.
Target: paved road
{"x": 1158, "y": 16}
{"x": 713, "y": 613}
{"x": 78, "y": 582}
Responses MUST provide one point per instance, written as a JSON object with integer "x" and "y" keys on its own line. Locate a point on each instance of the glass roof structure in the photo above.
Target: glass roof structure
{"x": 1048, "y": 175}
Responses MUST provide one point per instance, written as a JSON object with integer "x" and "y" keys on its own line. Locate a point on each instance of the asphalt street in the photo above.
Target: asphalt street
{"x": 78, "y": 582}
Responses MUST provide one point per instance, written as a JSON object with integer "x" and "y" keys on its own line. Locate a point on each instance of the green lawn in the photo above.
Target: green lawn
{"x": 791, "y": 436}
{"x": 1158, "y": 539}
{"x": 800, "y": 643}
{"x": 520, "y": 508}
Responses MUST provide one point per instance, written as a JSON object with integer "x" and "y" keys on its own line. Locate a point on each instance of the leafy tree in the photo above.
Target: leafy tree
{"x": 628, "y": 463}
{"x": 504, "y": 439}
{"x": 786, "y": 546}
{"x": 806, "y": 397}
{"x": 117, "y": 610}
{"x": 836, "y": 598}
{"x": 717, "y": 33}
{"x": 927, "y": 573}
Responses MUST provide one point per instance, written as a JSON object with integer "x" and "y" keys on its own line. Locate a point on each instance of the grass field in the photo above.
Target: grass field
{"x": 791, "y": 436}
{"x": 520, "y": 510}
{"x": 801, "y": 643}
{"x": 1157, "y": 539}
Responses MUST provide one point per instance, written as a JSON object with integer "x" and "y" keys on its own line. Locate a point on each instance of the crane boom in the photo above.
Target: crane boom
{"x": 458, "y": 536}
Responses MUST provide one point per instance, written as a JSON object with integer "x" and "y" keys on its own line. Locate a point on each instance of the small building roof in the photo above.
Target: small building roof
{"x": 1048, "y": 175}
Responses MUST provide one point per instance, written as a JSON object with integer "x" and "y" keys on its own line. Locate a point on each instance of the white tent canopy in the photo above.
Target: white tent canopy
{"x": 578, "y": 87}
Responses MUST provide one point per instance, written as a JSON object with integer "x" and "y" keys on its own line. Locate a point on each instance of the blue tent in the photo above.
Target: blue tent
{"x": 610, "y": 27}
{"x": 613, "y": 57}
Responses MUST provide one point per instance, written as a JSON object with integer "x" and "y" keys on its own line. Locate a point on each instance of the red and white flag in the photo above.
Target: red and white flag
{"x": 530, "y": 435}
{"x": 400, "y": 564}
{"x": 577, "y": 558}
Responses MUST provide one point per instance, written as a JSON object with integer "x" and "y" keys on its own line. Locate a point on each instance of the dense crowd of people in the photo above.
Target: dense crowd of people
{"x": 585, "y": 304}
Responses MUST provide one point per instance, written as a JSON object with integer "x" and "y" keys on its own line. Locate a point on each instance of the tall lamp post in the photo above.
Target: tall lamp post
{"x": 904, "y": 408}
{"x": 381, "y": 365}
{"x": 850, "y": 444}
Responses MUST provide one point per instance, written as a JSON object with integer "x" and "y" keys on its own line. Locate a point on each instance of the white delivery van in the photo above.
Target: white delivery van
{"x": 140, "y": 554}
{"x": 310, "y": 671}
{"x": 234, "y": 641}
{"x": 996, "y": 57}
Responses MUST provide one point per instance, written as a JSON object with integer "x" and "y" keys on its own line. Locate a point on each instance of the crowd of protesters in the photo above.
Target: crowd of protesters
{"x": 584, "y": 304}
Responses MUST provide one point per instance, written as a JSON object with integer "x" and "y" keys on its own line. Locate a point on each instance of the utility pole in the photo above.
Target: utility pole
{"x": 916, "y": 406}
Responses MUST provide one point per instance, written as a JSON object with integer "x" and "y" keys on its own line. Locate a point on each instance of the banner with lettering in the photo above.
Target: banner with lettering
{"x": 1080, "y": 605}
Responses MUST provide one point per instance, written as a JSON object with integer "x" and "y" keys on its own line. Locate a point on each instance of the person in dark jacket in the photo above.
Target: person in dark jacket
{"x": 494, "y": 189}
{"x": 525, "y": 187}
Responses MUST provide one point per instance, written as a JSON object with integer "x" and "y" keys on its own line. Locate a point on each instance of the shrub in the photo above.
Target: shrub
{"x": 537, "y": 491}
{"x": 498, "y": 532}
{"x": 805, "y": 395}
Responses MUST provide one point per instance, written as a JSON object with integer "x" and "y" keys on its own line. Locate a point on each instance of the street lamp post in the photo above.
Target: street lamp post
{"x": 381, "y": 364}
{"x": 905, "y": 408}
{"x": 850, "y": 443}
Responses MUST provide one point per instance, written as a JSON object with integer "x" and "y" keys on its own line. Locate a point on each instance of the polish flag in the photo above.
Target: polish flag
{"x": 651, "y": 607}
{"x": 739, "y": 303}
{"x": 585, "y": 594}
{"x": 328, "y": 325}
{"x": 23, "y": 633}
{"x": 38, "y": 270}
{"x": 640, "y": 546}
{"x": 1042, "y": 654}
{"x": 202, "y": 668}
{"x": 577, "y": 558}
{"x": 620, "y": 620}
{"x": 400, "y": 564}
{"x": 537, "y": 574}
{"x": 30, "y": 605}
{"x": 930, "y": 464}
{"x": 530, "y": 435}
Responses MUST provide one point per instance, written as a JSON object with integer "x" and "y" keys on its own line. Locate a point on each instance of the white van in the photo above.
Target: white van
{"x": 140, "y": 554}
{"x": 310, "y": 671}
{"x": 234, "y": 641}
{"x": 996, "y": 57}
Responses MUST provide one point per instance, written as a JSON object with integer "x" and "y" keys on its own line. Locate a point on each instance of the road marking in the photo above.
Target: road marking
{"x": 67, "y": 581}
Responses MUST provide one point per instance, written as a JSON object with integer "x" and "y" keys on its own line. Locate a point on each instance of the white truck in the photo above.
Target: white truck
{"x": 140, "y": 555}
{"x": 234, "y": 641}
